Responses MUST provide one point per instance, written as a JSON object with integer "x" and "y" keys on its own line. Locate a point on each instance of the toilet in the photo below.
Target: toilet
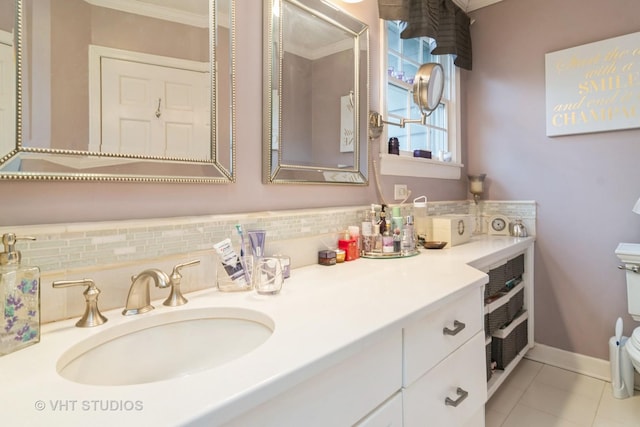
{"x": 633, "y": 348}
{"x": 629, "y": 255}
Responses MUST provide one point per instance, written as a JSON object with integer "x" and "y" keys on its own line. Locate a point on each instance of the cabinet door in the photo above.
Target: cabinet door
{"x": 338, "y": 396}
{"x": 389, "y": 414}
{"x": 452, "y": 392}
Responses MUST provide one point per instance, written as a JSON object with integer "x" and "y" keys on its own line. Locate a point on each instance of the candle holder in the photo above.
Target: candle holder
{"x": 476, "y": 186}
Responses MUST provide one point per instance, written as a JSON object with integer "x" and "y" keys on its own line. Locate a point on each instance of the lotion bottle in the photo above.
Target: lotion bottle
{"x": 20, "y": 297}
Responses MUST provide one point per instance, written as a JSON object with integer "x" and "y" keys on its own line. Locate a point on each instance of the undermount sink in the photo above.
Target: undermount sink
{"x": 165, "y": 345}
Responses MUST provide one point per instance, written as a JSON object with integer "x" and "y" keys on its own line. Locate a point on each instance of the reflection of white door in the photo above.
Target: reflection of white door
{"x": 7, "y": 95}
{"x": 154, "y": 110}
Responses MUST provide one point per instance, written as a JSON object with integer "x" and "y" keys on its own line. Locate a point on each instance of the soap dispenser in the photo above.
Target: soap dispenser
{"x": 19, "y": 298}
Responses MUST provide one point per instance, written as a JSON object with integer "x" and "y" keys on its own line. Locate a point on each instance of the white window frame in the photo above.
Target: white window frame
{"x": 405, "y": 165}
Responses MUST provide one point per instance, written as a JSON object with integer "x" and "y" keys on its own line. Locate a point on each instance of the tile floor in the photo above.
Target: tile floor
{"x": 538, "y": 395}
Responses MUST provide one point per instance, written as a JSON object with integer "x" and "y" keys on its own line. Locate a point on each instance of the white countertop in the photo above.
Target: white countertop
{"x": 322, "y": 316}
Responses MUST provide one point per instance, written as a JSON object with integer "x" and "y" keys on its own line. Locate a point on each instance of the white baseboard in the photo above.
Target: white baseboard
{"x": 581, "y": 364}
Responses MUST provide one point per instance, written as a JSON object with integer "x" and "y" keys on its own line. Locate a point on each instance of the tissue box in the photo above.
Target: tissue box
{"x": 453, "y": 229}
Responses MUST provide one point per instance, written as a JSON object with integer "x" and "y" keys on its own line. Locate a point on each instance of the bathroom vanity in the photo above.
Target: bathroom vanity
{"x": 367, "y": 343}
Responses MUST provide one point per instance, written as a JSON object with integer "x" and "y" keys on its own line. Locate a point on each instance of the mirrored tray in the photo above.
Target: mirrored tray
{"x": 389, "y": 255}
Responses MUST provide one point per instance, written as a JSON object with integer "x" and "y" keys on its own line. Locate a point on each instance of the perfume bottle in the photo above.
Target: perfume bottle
{"x": 387, "y": 240}
{"x": 20, "y": 298}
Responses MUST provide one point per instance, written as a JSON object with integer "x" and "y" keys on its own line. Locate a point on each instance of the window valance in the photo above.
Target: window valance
{"x": 441, "y": 20}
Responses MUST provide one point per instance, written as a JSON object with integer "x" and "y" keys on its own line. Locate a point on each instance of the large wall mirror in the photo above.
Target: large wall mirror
{"x": 316, "y": 90}
{"x": 136, "y": 90}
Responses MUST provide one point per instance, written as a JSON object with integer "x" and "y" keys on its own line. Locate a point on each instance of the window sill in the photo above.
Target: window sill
{"x": 417, "y": 167}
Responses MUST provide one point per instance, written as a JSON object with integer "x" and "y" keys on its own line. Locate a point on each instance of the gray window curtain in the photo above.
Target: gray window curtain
{"x": 441, "y": 20}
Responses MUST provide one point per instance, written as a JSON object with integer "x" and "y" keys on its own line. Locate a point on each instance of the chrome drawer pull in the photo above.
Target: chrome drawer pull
{"x": 462, "y": 395}
{"x": 459, "y": 326}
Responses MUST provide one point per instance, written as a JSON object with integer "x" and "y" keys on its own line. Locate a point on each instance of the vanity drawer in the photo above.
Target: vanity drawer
{"x": 459, "y": 380}
{"x": 430, "y": 339}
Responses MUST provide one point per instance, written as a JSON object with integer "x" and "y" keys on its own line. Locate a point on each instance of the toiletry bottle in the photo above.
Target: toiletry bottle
{"x": 397, "y": 240}
{"x": 383, "y": 220}
{"x": 367, "y": 242}
{"x": 396, "y": 219}
{"x": 420, "y": 217}
{"x": 20, "y": 297}
{"x": 354, "y": 232}
{"x": 408, "y": 236}
{"x": 377, "y": 246}
{"x": 394, "y": 146}
{"x": 387, "y": 240}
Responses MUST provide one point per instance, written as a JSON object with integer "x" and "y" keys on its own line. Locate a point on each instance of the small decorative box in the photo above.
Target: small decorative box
{"x": 327, "y": 257}
{"x": 422, "y": 153}
{"x": 453, "y": 229}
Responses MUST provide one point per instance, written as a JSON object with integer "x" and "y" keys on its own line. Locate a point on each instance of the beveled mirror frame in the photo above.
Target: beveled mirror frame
{"x": 277, "y": 171}
{"x": 70, "y": 165}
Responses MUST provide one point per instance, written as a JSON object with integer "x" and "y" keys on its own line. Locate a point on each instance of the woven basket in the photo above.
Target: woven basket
{"x": 508, "y": 342}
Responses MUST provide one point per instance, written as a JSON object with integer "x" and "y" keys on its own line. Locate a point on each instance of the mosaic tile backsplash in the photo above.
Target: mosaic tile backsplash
{"x": 111, "y": 252}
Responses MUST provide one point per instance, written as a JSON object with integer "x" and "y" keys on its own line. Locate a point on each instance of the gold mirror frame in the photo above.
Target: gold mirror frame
{"x": 277, "y": 170}
{"x": 73, "y": 165}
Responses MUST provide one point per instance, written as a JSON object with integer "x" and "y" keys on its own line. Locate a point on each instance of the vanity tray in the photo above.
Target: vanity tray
{"x": 389, "y": 255}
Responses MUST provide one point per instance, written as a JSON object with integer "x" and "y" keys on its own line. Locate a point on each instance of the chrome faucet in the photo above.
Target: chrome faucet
{"x": 138, "y": 300}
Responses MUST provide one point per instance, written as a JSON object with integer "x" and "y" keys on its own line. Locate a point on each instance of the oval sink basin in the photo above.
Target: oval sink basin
{"x": 165, "y": 346}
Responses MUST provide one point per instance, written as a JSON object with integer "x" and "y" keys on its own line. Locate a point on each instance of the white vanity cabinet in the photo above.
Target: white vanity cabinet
{"x": 444, "y": 377}
{"x": 389, "y": 414}
{"x": 362, "y": 389}
{"x": 431, "y": 369}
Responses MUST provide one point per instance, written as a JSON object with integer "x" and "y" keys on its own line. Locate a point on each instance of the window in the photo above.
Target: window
{"x": 440, "y": 135}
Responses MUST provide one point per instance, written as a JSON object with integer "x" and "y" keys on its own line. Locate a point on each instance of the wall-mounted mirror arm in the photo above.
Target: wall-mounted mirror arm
{"x": 376, "y": 120}
{"x": 428, "y": 86}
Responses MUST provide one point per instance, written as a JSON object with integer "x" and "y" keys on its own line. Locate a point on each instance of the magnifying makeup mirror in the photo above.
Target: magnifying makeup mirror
{"x": 428, "y": 86}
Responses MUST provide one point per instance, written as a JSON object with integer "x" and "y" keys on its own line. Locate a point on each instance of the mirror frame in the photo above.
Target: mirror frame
{"x": 139, "y": 168}
{"x": 273, "y": 55}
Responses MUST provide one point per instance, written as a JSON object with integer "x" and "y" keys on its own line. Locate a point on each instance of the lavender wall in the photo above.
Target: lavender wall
{"x": 58, "y": 202}
{"x": 585, "y": 185}
{"x": 6, "y": 15}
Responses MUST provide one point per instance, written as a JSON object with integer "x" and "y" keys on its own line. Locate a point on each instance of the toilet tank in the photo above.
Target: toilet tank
{"x": 629, "y": 254}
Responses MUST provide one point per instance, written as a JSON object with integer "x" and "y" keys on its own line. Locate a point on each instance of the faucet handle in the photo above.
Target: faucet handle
{"x": 176, "y": 298}
{"x": 92, "y": 316}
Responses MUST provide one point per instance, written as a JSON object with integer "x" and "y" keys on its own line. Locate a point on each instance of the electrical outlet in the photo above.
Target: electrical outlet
{"x": 400, "y": 191}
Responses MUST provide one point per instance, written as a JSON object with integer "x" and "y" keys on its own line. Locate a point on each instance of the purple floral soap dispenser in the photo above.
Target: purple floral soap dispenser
{"x": 19, "y": 299}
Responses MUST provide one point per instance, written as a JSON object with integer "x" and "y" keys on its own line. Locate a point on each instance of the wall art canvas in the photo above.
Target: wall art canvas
{"x": 594, "y": 87}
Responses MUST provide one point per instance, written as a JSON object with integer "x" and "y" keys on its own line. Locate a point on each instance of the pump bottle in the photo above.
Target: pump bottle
{"x": 19, "y": 298}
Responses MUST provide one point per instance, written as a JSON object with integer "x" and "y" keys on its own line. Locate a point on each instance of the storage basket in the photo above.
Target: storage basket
{"x": 497, "y": 280}
{"x": 506, "y": 343}
{"x": 497, "y": 318}
{"x": 488, "y": 358}
{"x": 514, "y": 267}
{"x": 515, "y": 304}
{"x": 486, "y": 324}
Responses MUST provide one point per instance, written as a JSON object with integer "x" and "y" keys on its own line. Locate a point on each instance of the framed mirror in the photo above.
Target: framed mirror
{"x": 316, "y": 86}
{"x": 108, "y": 90}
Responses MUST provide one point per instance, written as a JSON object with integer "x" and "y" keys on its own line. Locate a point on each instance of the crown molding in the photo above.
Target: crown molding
{"x": 154, "y": 11}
